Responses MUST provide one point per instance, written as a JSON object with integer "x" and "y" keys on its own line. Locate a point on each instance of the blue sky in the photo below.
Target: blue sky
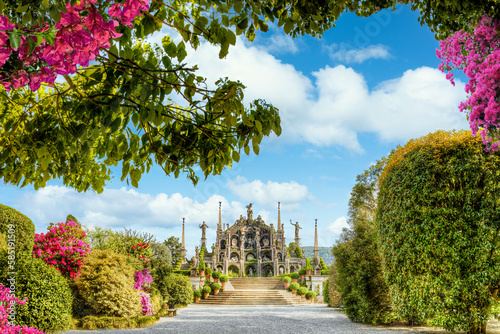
{"x": 347, "y": 99}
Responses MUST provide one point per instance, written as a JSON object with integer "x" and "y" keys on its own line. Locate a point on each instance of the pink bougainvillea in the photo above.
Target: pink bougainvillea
{"x": 143, "y": 280}
{"x": 478, "y": 55}
{"x": 80, "y": 34}
{"x": 147, "y": 307}
{"x": 8, "y": 304}
{"x": 63, "y": 248}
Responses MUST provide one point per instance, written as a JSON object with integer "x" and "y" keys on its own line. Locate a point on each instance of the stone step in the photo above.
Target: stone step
{"x": 270, "y": 297}
{"x": 256, "y": 283}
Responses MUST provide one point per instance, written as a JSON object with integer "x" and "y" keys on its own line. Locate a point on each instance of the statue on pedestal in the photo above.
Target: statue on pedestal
{"x": 249, "y": 212}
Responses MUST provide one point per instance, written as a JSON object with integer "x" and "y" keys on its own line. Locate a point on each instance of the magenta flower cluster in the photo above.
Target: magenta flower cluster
{"x": 478, "y": 55}
{"x": 62, "y": 247}
{"x": 8, "y": 304}
{"x": 81, "y": 33}
{"x": 147, "y": 307}
{"x": 143, "y": 280}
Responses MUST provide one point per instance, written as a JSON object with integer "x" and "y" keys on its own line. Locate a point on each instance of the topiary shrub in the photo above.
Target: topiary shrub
{"x": 294, "y": 286}
{"x": 325, "y": 272}
{"x": 201, "y": 265}
{"x": 302, "y": 271}
{"x": 310, "y": 294}
{"x": 197, "y": 293}
{"x": 208, "y": 271}
{"x": 49, "y": 295}
{"x": 308, "y": 265}
{"x": 295, "y": 275}
{"x": 224, "y": 278}
{"x": 177, "y": 290}
{"x": 207, "y": 289}
{"x": 287, "y": 279}
{"x": 302, "y": 291}
{"x": 215, "y": 286}
{"x": 216, "y": 274}
{"x": 13, "y": 222}
{"x": 106, "y": 284}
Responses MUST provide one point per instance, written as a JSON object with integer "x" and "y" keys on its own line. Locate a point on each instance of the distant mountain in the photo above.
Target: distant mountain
{"x": 324, "y": 252}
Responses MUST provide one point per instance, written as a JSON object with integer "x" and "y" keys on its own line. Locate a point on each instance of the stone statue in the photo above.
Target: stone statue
{"x": 297, "y": 227}
{"x": 259, "y": 219}
{"x": 249, "y": 211}
{"x": 194, "y": 262}
{"x": 203, "y": 230}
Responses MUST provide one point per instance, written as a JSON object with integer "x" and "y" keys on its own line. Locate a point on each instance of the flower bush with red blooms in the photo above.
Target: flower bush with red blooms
{"x": 140, "y": 251}
{"x": 27, "y": 58}
{"x": 62, "y": 247}
{"x": 478, "y": 55}
{"x": 7, "y": 307}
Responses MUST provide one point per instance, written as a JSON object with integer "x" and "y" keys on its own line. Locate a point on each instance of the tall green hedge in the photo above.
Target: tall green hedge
{"x": 24, "y": 229}
{"x": 439, "y": 225}
{"x": 49, "y": 295}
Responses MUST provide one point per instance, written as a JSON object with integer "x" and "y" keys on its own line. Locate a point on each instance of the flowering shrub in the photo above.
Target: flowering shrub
{"x": 147, "y": 306}
{"x": 143, "y": 280}
{"x": 8, "y": 302}
{"x": 478, "y": 55}
{"x": 75, "y": 40}
{"x": 63, "y": 248}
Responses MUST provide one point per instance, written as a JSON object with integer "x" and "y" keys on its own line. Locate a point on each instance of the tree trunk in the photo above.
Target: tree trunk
{"x": 475, "y": 329}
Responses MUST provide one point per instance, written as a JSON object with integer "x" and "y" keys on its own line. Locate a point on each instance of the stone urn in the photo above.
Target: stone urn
{"x": 308, "y": 272}
{"x": 286, "y": 284}
{"x": 216, "y": 291}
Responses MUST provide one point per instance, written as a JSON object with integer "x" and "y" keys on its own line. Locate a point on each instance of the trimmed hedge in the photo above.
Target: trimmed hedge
{"x": 176, "y": 289}
{"x": 287, "y": 279}
{"x": 206, "y": 289}
{"x": 216, "y": 274}
{"x": 24, "y": 229}
{"x": 295, "y": 275}
{"x": 293, "y": 286}
{"x": 106, "y": 284}
{"x": 224, "y": 278}
{"x": 197, "y": 293}
{"x": 302, "y": 271}
{"x": 49, "y": 295}
{"x": 302, "y": 291}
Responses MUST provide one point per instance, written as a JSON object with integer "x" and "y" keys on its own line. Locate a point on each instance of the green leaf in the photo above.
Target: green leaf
{"x": 15, "y": 39}
{"x": 236, "y": 156}
{"x": 288, "y": 26}
{"x": 247, "y": 149}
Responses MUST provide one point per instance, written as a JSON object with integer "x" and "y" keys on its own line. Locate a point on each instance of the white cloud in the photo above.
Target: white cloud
{"x": 290, "y": 194}
{"x": 280, "y": 43}
{"x": 337, "y": 226}
{"x": 342, "y": 54}
{"x": 338, "y": 105}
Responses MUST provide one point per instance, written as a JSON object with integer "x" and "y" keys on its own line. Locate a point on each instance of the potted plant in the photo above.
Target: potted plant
{"x": 286, "y": 281}
{"x": 302, "y": 273}
{"x": 310, "y": 295}
{"x": 197, "y": 295}
{"x": 201, "y": 268}
{"x": 294, "y": 287}
{"x": 208, "y": 272}
{"x": 216, "y": 276}
{"x": 295, "y": 277}
{"x": 309, "y": 267}
{"x": 302, "y": 291}
{"x": 206, "y": 291}
{"x": 223, "y": 280}
{"x": 216, "y": 287}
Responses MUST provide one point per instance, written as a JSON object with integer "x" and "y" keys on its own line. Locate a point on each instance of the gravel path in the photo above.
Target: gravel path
{"x": 314, "y": 319}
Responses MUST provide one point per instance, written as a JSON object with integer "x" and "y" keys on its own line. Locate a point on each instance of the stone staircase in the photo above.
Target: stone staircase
{"x": 254, "y": 291}
{"x": 257, "y": 283}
